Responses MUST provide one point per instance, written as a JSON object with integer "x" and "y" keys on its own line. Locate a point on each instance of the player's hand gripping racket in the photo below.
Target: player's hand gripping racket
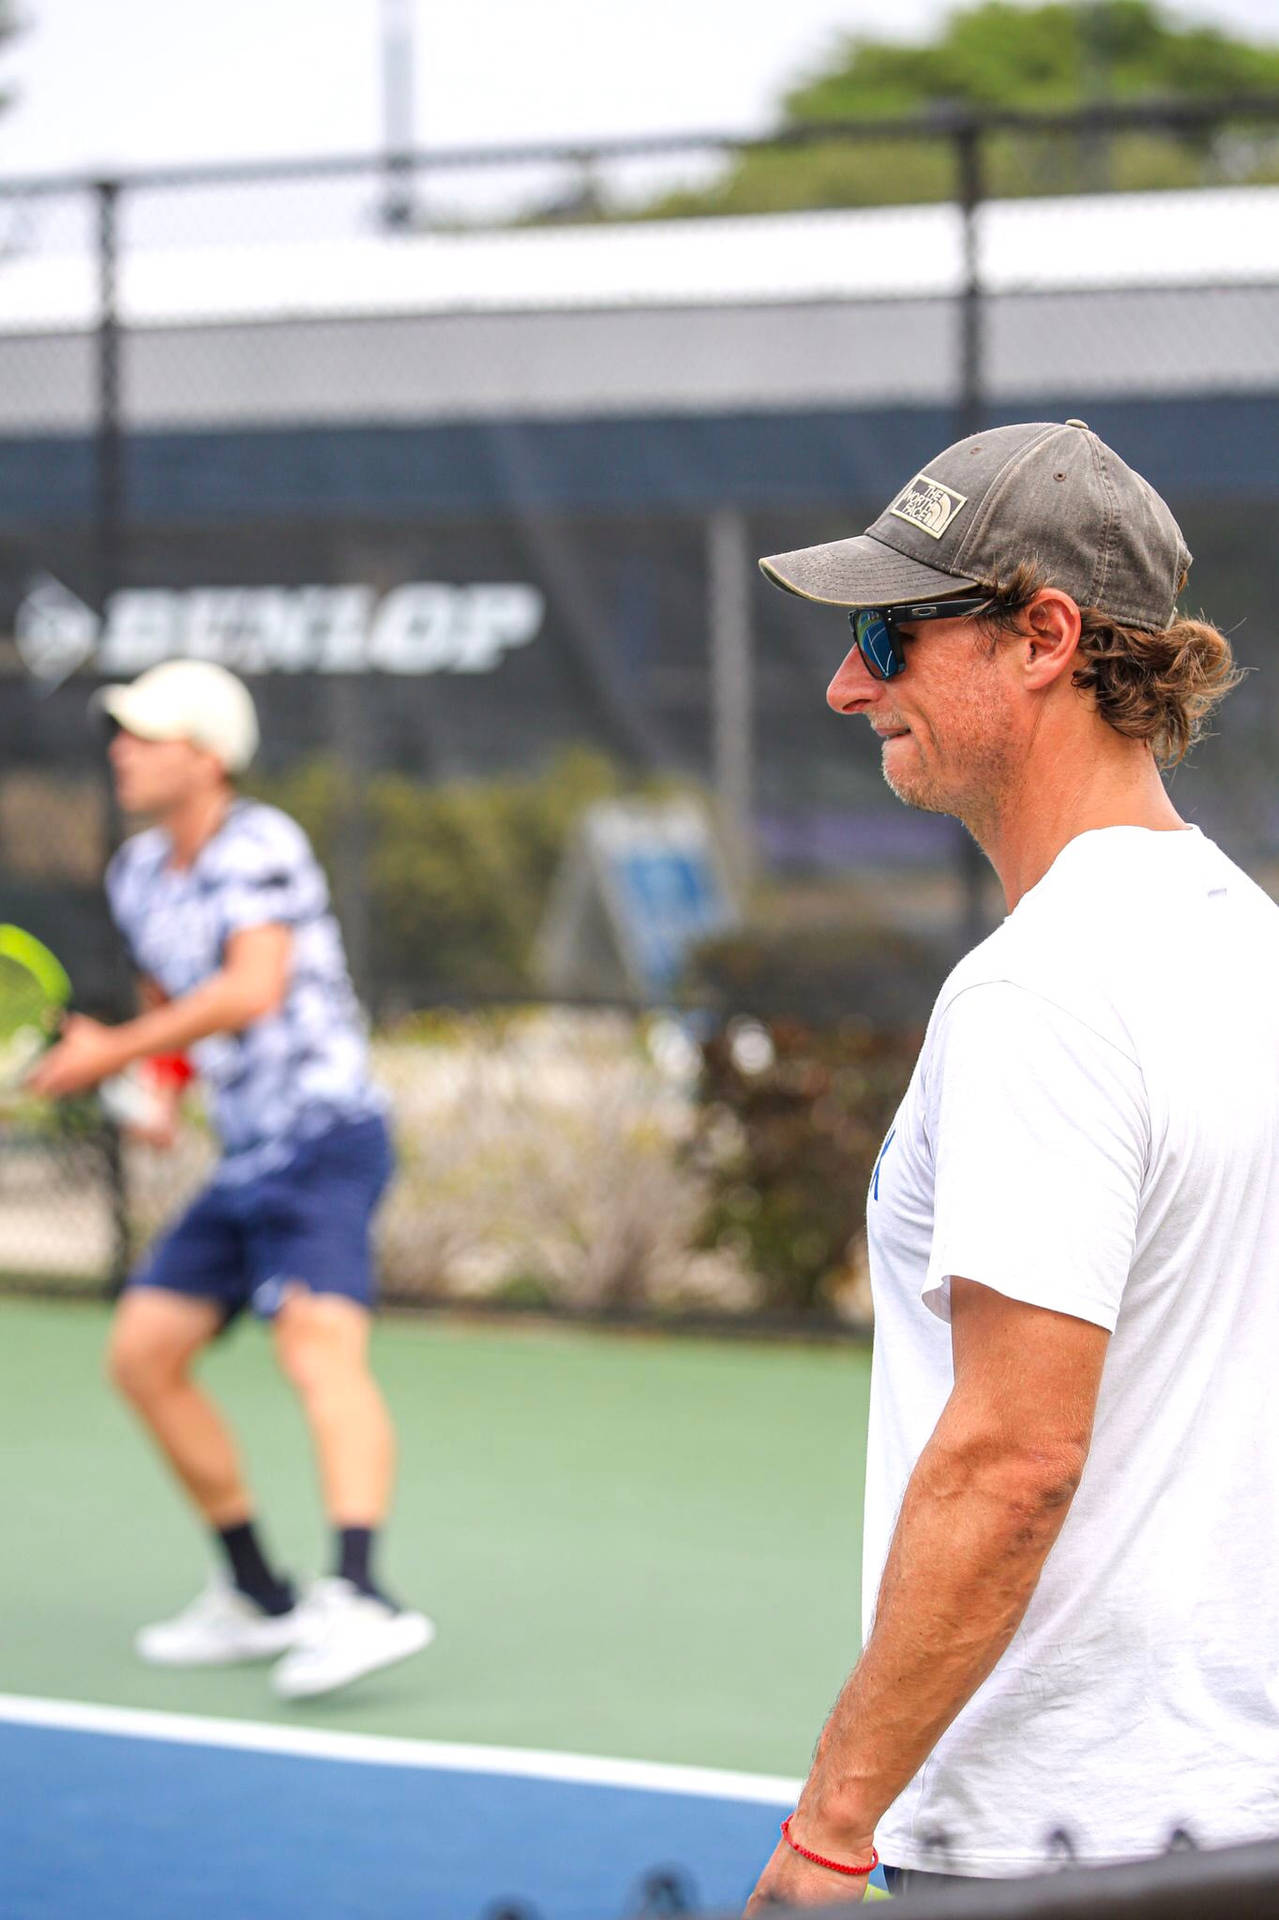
{"x": 35, "y": 991}
{"x": 35, "y": 994}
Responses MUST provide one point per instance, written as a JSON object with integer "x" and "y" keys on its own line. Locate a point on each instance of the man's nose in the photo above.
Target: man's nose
{"x": 854, "y": 687}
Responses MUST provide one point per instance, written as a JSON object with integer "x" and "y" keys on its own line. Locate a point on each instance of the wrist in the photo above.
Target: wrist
{"x": 840, "y": 1819}
{"x": 834, "y": 1828}
{"x": 123, "y": 1047}
{"x": 838, "y": 1855}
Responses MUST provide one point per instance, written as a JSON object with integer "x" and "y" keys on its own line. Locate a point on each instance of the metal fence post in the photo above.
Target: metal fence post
{"x": 108, "y": 502}
{"x": 108, "y": 529}
{"x": 972, "y": 870}
{"x": 398, "y": 208}
{"x": 351, "y": 731}
{"x": 729, "y": 574}
{"x": 971, "y": 194}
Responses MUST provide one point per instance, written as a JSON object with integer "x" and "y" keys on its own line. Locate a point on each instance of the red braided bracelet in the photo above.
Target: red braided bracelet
{"x": 820, "y": 1860}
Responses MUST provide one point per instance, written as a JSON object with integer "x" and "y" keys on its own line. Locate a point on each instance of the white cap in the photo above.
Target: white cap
{"x": 188, "y": 700}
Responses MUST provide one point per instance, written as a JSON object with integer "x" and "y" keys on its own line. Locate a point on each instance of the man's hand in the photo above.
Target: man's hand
{"x": 791, "y": 1881}
{"x": 155, "y": 1124}
{"x": 86, "y": 1053}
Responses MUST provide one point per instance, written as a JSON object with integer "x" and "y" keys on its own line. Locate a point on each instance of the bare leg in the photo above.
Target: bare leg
{"x": 154, "y": 1338}
{"x": 351, "y": 1627}
{"x": 321, "y": 1342}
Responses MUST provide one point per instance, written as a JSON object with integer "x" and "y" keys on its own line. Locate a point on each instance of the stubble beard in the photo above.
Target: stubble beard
{"x": 984, "y": 772}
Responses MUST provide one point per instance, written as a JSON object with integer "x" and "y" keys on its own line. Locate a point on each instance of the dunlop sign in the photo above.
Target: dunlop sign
{"x": 424, "y": 627}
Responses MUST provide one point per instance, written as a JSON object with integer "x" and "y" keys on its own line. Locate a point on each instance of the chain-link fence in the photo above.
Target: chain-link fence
{"x": 464, "y": 461}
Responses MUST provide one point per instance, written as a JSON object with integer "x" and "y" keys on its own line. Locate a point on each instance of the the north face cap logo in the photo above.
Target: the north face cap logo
{"x": 927, "y": 504}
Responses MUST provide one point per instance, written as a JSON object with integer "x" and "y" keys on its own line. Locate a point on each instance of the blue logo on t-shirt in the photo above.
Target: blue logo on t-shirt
{"x": 879, "y": 1163}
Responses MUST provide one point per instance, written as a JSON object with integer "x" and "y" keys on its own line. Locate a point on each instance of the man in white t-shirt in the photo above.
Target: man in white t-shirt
{"x": 1072, "y": 1509}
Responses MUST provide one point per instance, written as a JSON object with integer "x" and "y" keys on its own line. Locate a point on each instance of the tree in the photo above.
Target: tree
{"x": 1059, "y": 55}
{"x": 999, "y": 54}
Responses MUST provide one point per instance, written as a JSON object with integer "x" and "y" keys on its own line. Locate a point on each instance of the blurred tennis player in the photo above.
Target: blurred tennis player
{"x": 1072, "y": 1510}
{"x": 226, "y": 915}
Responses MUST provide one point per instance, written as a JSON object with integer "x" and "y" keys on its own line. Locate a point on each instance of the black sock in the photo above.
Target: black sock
{"x": 249, "y": 1570}
{"x": 354, "y": 1558}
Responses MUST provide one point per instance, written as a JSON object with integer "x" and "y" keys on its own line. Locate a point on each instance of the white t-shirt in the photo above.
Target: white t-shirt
{"x": 1093, "y": 1126}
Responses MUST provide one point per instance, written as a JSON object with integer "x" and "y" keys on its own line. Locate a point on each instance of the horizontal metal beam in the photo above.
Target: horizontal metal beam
{"x": 937, "y": 123}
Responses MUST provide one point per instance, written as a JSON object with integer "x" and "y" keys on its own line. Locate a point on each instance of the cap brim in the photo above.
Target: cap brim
{"x": 120, "y": 704}
{"x": 861, "y": 572}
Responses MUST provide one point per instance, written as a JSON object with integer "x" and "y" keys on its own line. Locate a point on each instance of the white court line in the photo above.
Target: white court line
{"x": 380, "y": 1750}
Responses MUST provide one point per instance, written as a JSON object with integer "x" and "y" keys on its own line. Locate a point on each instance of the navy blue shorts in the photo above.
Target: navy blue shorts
{"x": 242, "y": 1244}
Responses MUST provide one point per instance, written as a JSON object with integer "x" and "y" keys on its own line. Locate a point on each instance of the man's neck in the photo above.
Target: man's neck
{"x": 193, "y": 822}
{"x": 1120, "y": 787}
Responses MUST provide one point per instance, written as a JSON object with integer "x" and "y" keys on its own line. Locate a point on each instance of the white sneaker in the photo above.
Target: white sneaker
{"x": 220, "y": 1627}
{"x": 346, "y": 1633}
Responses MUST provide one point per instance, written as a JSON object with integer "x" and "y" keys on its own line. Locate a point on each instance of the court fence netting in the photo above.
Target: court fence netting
{"x": 464, "y": 458}
{"x": 1233, "y": 1883}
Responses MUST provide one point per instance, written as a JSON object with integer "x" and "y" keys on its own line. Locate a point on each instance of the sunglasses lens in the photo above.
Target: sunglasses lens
{"x": 875, "y": 645}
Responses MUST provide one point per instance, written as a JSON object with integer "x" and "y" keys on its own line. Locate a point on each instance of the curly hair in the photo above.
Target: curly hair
{"x": 1159, "y": 687}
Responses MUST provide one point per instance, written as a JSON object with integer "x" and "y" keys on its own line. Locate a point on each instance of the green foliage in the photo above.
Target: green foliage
{"x": 1000, "y": 54}
{"x": 789, "y": 1193}
{"x": 844, "y": 1004}
{"x": 458, "y": 874}
{"x": 820, "y": 971}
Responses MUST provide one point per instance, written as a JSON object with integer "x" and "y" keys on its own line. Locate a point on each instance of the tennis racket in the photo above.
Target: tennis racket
{"x": 35, "y": 991}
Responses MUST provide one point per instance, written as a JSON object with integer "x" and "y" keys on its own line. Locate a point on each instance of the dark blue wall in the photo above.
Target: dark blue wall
{"x": 1205, "y": 446}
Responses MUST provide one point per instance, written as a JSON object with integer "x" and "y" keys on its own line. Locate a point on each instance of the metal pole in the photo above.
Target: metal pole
{"x": 970, "y": 861}
{"x": 1095, "y": 56}
{"x": 120, "y": 1258}
{"x": 109, "y": 506}
{"x": 397, "y": 113}
{"x": 352, "y": 748}
{"x": 108, "y": 531}
{"x": 109, "y": 495}
{"x": 968, "y": 158}
{"x": 729, "y": 573}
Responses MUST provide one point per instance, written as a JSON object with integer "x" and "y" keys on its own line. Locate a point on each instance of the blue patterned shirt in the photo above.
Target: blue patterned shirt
{"x": 297, "y": 1071}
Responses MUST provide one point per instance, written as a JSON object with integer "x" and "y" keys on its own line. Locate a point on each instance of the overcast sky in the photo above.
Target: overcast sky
{"x": 106, "y": 83}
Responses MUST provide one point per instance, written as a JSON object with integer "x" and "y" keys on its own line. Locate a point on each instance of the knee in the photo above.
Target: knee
{"x": 304, "y": 1358}
{"x": 315, "y": 1354}
{"x": 139, "y": 1368}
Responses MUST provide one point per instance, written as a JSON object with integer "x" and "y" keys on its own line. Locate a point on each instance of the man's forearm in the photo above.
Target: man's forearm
{"x": 221, "y": 1004}
{"x": 975, "y": 1528}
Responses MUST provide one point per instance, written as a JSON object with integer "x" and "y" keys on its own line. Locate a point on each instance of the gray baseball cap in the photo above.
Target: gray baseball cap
{"x": 1053, "y": 494}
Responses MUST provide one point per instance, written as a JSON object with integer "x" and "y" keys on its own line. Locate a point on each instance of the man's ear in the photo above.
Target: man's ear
{"x": 1051, "y": 627}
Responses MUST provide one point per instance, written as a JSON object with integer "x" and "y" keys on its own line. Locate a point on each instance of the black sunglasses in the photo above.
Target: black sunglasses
{"x": 880, "y": 641}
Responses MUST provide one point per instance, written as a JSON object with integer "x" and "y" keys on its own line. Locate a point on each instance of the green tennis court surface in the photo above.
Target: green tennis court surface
{"x": 633, "y": 1547}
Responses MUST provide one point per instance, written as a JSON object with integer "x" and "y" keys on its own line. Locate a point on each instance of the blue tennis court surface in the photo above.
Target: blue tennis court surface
{"x": 111, "y": 1814}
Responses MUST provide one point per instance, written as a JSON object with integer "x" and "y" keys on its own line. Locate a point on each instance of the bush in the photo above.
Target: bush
{"x": 457, "y": 874}
{"x": 822, "y": 972}
{"x": 822, "y": 1023}
{"x": 541, "y": 1165}
{"x": 793, "y": 1118}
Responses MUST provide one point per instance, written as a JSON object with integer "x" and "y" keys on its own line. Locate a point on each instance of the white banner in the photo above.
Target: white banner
{"x": 422, "y": 627}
